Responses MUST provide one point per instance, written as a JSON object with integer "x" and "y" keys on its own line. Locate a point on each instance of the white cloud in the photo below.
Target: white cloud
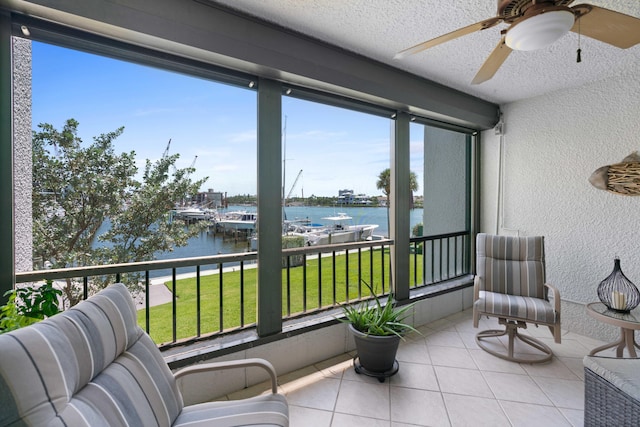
{"x": 315, "y": 135}
{"x": 245, "y": 136}
{"x": 153, "y": 111}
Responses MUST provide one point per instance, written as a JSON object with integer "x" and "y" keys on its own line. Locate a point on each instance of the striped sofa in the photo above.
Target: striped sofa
{"x": 94, "y": 366}
{"x": 510, "y": 285}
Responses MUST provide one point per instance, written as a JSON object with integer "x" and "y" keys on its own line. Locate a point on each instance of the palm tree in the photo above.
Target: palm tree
{"x": 384, "y": 184}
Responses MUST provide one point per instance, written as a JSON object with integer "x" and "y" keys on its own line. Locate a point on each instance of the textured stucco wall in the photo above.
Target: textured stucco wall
{"x": 552, "y": 144}
{"x": 22, "y": 160}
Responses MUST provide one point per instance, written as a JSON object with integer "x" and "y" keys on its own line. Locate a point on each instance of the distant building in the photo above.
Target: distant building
{"x": 209, "y": 199}
{"x": 362, "y": 199}
{"x": 347, "y": 197}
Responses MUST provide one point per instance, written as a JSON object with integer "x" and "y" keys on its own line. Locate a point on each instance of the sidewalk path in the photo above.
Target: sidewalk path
{"x": 160, "y": 294}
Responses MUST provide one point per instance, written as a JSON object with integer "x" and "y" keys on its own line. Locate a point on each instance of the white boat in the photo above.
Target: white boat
{"x": 194, "y": 213}
{"x": 238, "y": 220}
{"x": 339, "y": 230}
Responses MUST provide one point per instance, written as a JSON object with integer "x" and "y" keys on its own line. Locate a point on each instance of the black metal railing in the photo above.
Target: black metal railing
{"x": 440, "y": 257}
{"x": 217, "y": 294}
{"x": 176, "y": 306}
{"x": 334, "y": 274}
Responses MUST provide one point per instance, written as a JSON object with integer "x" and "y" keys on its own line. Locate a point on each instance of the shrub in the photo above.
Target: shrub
{"x": 29, "y": 305}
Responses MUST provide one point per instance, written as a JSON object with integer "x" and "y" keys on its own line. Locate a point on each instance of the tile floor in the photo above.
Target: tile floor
{"x": 445, "y": 379}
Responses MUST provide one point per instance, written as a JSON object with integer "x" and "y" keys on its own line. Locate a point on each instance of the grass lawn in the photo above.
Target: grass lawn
{"x": 301, "y": 296}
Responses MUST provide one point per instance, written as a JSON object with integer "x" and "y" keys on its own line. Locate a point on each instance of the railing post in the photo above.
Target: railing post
{"x": 269, "y": 297}
{"x": 399, "y": 211}
{"x": 7, "y": 265}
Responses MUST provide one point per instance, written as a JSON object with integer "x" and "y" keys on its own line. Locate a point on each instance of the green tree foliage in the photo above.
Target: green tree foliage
{"x": 242, "y": 199}
{"x": 384, "y": 184}
{"x": 78, "y": 187}
{"x": 417, "y": 230}
{"x": 312, "y": 200}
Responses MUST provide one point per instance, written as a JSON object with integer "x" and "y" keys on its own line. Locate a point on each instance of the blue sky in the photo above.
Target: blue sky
{"x": 335, "y": 148}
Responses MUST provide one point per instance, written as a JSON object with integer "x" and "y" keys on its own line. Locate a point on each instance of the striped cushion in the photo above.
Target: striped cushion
{"x": 89, "y": 366}
{"x": 92, "y": 366}
{"x": 534, "y": 310}
{"x": 511, "y": 265}
{"x": 266, "y": 410}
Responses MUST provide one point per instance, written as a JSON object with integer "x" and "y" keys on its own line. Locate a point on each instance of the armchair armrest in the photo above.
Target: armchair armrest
{"x": 476, "y": 288}
{"x": 556, "y": 297}
{"x": 232, "y": 364}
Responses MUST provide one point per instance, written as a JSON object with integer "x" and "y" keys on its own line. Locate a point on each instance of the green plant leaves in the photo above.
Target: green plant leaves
{"x": 38, "y": 302}
{"x": 29, "y": 305}
{"x": 378, "y": 319}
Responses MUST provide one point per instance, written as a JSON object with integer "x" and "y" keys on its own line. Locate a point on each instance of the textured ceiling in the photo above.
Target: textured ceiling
{"x": 379, "y": 29}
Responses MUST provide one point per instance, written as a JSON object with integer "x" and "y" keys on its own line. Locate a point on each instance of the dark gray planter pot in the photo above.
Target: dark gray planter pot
{"x": 376, "y": 354}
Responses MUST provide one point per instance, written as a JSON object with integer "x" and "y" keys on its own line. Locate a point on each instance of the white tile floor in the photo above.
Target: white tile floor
{"x": 445, "y": 379}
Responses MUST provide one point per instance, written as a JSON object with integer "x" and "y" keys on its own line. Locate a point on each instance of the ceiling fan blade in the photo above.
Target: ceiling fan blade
{"x": 482, "y": 25}
{"x": 608, "y": 26}
{"x": 492, "y": 63}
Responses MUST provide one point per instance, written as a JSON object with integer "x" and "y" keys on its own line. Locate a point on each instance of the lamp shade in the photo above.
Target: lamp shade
{"x": 540, "y": 30}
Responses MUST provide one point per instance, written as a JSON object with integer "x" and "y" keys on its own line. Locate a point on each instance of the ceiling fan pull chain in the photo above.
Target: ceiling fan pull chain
{"x": 579, "y": 58}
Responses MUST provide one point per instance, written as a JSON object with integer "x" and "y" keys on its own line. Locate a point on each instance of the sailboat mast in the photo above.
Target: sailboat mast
{"x": 284, "y": 165}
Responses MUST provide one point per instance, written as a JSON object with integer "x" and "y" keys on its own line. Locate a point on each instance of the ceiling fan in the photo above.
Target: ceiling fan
{"x": 535, "y": 24}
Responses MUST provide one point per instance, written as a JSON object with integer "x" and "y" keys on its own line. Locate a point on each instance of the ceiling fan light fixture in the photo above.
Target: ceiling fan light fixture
{"x": 540, "y": 30}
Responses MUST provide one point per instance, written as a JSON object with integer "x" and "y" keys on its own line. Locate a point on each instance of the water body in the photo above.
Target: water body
{"x": 360, "y": 215}
{"x": 214, "y": 244}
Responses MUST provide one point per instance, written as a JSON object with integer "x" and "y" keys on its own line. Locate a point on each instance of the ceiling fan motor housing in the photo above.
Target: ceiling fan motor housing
{"x": 510, "y": 10}
{"x": 540, "y": 28}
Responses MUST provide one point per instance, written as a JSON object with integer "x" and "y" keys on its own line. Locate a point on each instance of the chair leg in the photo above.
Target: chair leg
{"x": 556, "y": 332}
{"x": 476, "y": 317}
{"x": 511, "y": 331}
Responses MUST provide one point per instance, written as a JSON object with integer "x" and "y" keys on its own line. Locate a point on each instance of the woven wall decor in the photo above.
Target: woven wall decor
{"x": 620, "y": 178}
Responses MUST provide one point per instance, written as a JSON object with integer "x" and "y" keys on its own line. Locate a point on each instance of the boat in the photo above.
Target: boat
{"x": 339, "y": 229}
{"x": 238, "y": 220}
{"x": 194, "y": 213}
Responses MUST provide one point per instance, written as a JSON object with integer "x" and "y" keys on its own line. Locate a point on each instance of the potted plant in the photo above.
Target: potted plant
{"x": 377, "y": 329}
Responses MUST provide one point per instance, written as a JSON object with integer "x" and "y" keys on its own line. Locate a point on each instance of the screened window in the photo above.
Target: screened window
{"x": 199, "y": 133}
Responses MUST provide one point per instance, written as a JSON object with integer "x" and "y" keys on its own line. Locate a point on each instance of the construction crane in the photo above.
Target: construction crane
{"x": 188, "y": 172}
{"x": 294, "y": 185}
{"x": 166, "y": 150}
